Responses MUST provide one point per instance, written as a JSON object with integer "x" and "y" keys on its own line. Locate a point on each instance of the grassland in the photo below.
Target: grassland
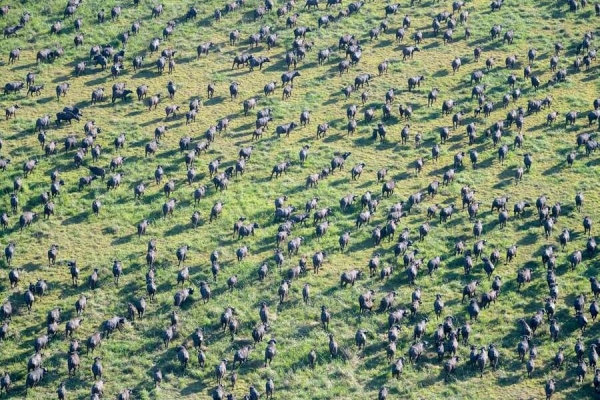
{"x": 94, "y": 241}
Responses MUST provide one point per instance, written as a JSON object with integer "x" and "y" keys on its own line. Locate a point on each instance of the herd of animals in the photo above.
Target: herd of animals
{"x": 444, "y": 342}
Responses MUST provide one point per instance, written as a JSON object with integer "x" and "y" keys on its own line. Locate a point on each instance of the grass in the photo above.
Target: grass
{"x": 95, "y": 241}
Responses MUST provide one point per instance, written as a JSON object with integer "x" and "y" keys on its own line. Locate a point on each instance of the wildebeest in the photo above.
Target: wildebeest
{"x": 35, "y": 377}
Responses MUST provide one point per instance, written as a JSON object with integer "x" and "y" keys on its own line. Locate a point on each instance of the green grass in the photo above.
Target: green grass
{"x": 129, "y": 357}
